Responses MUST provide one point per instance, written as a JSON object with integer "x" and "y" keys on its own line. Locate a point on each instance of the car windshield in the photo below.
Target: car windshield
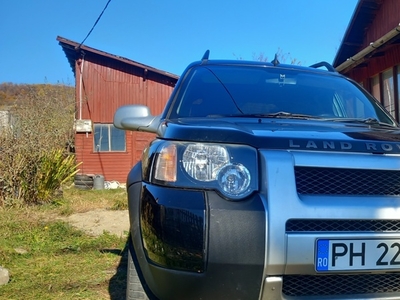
{"x": 226, "y": 91}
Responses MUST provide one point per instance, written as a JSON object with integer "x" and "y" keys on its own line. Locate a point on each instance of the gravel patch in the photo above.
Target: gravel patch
{"x": 98, "y": 221}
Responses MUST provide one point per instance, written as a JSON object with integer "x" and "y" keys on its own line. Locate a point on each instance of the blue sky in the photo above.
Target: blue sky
{"x": 167, "y": 35}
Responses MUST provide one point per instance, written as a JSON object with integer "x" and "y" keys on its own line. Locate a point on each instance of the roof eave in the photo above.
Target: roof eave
{"x": 353, "y": 39}
{"x": 70, "y": 47}
{"x": 361, "y": 56}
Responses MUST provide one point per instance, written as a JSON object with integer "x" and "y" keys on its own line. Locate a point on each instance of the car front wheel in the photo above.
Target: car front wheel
{"x": 134, "y": 288}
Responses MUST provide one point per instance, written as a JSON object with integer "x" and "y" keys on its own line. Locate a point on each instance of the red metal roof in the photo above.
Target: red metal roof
{"x": 74, "y": 51}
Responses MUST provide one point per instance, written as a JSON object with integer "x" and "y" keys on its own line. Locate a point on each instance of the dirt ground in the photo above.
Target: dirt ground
{"x": 95, "y": 222}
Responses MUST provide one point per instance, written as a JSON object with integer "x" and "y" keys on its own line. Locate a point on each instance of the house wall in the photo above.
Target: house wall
{"x": 376, "y": 65}
{"x": 384, "y": 60}
{"x": 385, "y": 20}
{"x": 107, "y": 85}
{"x": 4, "y": 118}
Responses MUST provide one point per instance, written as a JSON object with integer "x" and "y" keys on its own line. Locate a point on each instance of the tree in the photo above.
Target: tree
{"x": 282, "y": 56}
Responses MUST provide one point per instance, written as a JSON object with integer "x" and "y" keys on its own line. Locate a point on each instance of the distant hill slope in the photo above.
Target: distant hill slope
{"x": 11, "y": 94}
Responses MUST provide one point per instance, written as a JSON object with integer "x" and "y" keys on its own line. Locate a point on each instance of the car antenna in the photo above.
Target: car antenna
{"x": 205, "y": 57}
{"x": 275, "y": 62}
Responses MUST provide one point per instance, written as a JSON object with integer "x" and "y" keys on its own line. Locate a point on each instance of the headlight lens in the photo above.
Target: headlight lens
{"x": 202, "y": 161}
{"x": 228, "y": 169}
{"x": 234, "y": 180}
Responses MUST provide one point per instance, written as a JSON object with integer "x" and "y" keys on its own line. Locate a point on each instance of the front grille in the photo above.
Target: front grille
{"x": 324, "y": 285}
{"x": 320, "y": 225}
{"x": 333, "y": 181}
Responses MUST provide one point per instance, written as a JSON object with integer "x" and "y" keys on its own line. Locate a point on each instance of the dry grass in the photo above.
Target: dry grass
{"x": 79, "y": 201}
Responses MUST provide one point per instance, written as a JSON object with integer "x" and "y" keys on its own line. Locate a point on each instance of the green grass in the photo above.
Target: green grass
{"x": 49, "y": 259}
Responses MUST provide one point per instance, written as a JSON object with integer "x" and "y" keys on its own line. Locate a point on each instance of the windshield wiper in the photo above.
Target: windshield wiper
{"x": 368, "y": 121}
{"x": 291, "y": 115}
{"x": 281, "y": 114}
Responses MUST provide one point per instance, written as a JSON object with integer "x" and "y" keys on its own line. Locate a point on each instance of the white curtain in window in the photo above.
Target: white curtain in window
{"x": 388, "y": 91}
{"x": 376, "y": 92}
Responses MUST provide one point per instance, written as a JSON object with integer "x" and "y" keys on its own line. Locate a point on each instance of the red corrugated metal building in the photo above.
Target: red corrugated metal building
{"x": 370, "y": 50}
{"x": 104, "y": 82}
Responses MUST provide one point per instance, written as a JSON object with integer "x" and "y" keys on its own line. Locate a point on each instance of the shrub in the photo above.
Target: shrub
{"x": 33, "y": 160}
{"x": 55, "y": 169}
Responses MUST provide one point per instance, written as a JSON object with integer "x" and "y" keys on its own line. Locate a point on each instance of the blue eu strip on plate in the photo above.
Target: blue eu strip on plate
{"x": 322, "y": 257}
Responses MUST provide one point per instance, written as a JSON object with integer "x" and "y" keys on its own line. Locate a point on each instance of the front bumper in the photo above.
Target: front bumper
{"x": 196, "y": 245}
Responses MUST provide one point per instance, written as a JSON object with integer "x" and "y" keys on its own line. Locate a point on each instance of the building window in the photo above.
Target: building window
{"x": 388, "y": 91}
{"x": 108, "y": 138}
{"x": 376, "y": 92}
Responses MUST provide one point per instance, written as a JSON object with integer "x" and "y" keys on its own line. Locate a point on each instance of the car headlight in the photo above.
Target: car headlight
{"x": 234, "y": 179}
{"x": 229, "y": 169}
{"x": 202, "y": 161}
{"x": 166, "y": 164}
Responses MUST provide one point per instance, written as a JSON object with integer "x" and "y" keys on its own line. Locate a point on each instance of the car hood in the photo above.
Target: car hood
{"x": 295, "y": 134}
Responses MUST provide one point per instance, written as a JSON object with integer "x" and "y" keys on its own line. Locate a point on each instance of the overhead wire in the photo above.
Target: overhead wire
{"x": 94, "y": 25}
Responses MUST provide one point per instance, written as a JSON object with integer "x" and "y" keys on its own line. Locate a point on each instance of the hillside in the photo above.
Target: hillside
{"x": 11, "y": 94}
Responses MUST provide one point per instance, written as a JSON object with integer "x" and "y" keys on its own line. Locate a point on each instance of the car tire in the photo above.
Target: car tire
{"x": 81, "y": 177}
{"x": 83, "y": 182}
{"x": 134, "y": 288}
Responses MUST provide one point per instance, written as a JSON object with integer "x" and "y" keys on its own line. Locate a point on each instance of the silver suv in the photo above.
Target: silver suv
{"x": 265, "y": 181}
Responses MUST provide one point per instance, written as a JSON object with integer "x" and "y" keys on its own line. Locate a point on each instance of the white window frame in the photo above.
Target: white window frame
{"x": 104, "y": 136}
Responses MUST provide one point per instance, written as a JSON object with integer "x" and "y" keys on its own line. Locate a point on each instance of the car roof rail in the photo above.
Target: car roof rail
{"x": 328, "y": 66}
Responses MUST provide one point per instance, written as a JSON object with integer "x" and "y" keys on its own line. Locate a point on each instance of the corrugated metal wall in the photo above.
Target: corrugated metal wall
{"x": 386, "y": 19}
{"x": 376, "y": 65}
{"x": 108, "y": 85}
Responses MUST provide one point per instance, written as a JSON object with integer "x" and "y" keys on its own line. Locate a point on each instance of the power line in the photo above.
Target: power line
{"x": 94, "y": 25}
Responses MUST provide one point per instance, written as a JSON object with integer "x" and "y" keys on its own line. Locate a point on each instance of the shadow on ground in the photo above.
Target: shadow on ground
{"x": 117, "y": 285}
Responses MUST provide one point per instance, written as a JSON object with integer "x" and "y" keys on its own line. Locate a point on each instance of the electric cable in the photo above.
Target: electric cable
{"x": 94, "y": 25}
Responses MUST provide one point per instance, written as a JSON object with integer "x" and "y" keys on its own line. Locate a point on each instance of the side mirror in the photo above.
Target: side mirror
{"x": 136, "y": 118}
